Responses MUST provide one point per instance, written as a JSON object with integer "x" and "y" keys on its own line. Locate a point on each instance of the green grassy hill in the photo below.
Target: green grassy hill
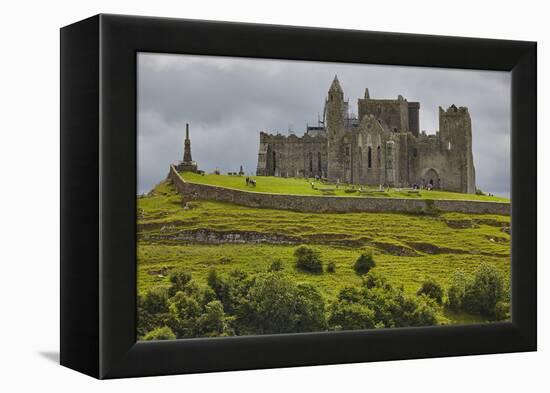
{"x": 407, "y": 248}
{"x": 301, "y": 186}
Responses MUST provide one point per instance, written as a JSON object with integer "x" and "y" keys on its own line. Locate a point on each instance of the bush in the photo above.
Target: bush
{"x": 152, "y": 310}
{"x": 230, "y": 289}
{"x": 502, "y": 311}
{"x": 456, "y": 290}
{"x": 484, "y": 291}
{"x": 213, "y": 321}
{"x": 308, "y": 259}
{"x": 432, "y": 289}
{"x": 351, "y": 316}
{"x": 277, "y": 305}
{"x": 276, "y": 266}
{"x": 155, "y": 301}
{"x": 364, "y": 264}
{"x": 331, "y": 267}
{"x": 375, "y": 280}
{"x": 479, "y": 294}
{"x": 161, "y": 333}
{"x": 178, "y": 280}
{"x": 378, "y": 304}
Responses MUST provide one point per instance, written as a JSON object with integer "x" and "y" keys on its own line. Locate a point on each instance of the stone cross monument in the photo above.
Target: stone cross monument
{"x": 187, "y": 165}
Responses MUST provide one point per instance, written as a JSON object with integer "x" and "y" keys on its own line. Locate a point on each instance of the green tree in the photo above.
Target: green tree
{"x": 364, "y": 263}
{"x": 160, "y": 333}
{"x": 178, "y": 280}
{"x": 308, "y": 259}
{"x": 484, "y": 291}
{"x": 152, "y": 310}
{"x": 277, "y": 305}
{"x": 432, "y": 289}
{"x": 455, "y": 292}
{"x": 351, "y": 316}
{"x": 213, "y": 321}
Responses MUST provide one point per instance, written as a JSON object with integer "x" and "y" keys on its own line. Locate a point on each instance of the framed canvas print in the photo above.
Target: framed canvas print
{"x": 239, "y": 196}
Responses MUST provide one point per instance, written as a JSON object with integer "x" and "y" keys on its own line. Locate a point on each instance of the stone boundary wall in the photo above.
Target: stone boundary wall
{"x": 330, "y": 204}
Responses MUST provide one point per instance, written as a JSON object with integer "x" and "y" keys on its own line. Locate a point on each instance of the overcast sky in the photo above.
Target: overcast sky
{"x": 228, "y": 101}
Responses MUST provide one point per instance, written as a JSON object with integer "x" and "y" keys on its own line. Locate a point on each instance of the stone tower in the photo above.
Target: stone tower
{"x": 335, "y": 108}
{"x": 455, "y": 133}
{"x": 187, "y": 165}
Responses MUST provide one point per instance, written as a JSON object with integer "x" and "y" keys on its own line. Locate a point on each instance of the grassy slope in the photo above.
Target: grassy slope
{"x": 339, "y": 237}
{"x": 300, "y": 186}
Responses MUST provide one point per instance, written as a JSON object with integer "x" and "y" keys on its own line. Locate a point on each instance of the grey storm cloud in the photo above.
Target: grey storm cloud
{"x": 228, "y": 101}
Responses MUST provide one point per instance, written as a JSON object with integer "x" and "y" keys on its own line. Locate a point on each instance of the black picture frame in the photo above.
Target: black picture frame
{"x": 98, "y": 195}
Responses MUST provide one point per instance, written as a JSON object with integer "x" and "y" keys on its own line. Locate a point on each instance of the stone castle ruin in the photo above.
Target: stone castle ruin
{"x": 380, "y": 146}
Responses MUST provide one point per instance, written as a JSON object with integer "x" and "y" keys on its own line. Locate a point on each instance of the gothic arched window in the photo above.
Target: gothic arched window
{"x": 369, "y": 157}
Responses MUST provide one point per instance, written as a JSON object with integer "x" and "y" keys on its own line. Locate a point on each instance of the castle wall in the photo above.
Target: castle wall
{"x": 386, "y": 147}
{"x": 292, "y": 156}
{"x": 394, "y": 114}
{"x": 329, "y": 204}
{"x": 414, "y": 118}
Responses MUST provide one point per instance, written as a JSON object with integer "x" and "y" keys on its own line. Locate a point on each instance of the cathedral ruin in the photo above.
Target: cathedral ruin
{"x": 383, "y": 145}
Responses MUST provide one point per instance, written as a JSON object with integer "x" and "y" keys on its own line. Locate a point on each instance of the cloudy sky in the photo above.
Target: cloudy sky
{"x": 228, "y": 101}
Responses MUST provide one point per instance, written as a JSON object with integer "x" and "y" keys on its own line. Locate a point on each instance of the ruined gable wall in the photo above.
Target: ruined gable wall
{"x": 370, "y": 134}
{"x": 289, "y": 156}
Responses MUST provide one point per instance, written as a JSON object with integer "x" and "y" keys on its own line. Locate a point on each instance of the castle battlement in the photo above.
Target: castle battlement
{"x": 383, "y": 146}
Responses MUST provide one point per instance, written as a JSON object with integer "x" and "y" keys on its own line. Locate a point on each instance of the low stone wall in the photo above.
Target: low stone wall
{"x": 330, "y": 204}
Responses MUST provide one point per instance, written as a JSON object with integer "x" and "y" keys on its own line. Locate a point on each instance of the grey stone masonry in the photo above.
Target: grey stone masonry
{"x": 329, "y": 204}
{"x": 382, "y": 145}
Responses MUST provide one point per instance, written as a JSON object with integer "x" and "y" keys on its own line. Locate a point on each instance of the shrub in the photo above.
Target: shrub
{"x": 230, "y": 289}
{"x": 432, "y": 289}
{"x": 213, "y": 321}
{"x": 178, "y": 280}
{"x": 155, "y": 301}
{"x": 484, "y": 291}
{"x": 456, "y": 290}
{"x": 375, "y": 280}
{"x": 276, "y": 266}
{"x": 277, "y": 305}
{"x": 351, "y": 316}
{"x": 364, "y": 264}
{"x": 389, "y": 306}
{"x": 502, "y": 311}
{"x": 308, "y": 259}
{"x": 161, "y": 333}
{"x": 309, "y": 309}
{"x": 152, "y": 310}
{"x": 331, "y": 267}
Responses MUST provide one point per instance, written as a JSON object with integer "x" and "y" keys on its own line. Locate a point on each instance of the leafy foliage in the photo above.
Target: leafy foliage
{"x": 432, "y": 289}
{"x": 308, "y": 259}
{"x": 331, "y": 267}
{"x": 276, "y": 266}
{"x": 379, "y": 304}
{"x": 161, "y": 333}
{"x": 484, "y": 293}
{"x": 277, "y": 305}
{"x": 364, "y": 264}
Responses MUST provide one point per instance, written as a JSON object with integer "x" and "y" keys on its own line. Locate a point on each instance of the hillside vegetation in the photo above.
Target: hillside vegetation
{"x": 408, "y": 249}
{"x": 301, "y": 186}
